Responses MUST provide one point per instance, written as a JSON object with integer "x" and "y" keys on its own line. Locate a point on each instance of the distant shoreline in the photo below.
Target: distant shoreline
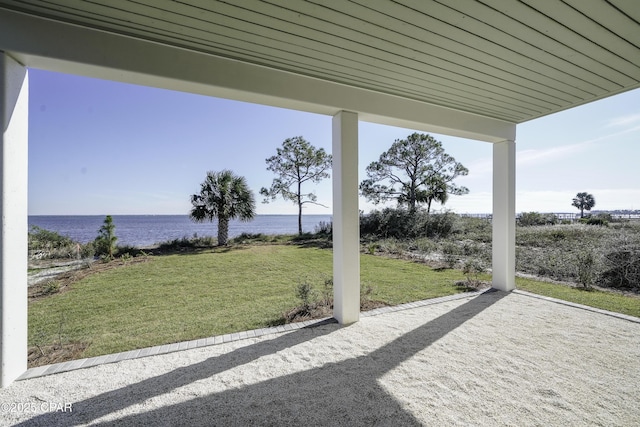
{"x": 148, "y": 230}
{"x": 615, "y": 212}
{"x": 184, "y": 215}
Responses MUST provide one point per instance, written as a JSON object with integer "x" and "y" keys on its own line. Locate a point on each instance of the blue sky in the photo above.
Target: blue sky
{"x": 99, "y": 147}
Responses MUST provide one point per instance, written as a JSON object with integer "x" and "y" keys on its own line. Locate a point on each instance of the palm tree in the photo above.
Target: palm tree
{"x": 438, "y": 192}
{"x": 584, "y": 201}
{"x": 225, "y": 196}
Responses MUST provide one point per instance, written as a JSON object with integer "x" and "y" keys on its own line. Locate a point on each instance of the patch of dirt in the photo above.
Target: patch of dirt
{"x": 319, "y": 311}
{"x": 50, "y": 269}
{"x": 55, "y": 353}
{"x": 61, "y": 281}
{"x": 473, "y": 285}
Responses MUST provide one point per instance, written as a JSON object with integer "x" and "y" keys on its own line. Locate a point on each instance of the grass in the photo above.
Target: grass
{"x": 594, "y": 298}
{"x": 182, "y": 297}
{"x": 189, "y": 292}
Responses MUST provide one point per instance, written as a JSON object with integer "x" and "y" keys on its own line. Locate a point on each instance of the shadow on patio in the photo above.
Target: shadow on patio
{"x": 496, "y": 358}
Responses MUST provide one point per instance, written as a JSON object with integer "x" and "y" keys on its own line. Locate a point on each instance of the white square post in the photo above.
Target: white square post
{"x": 504, "y": 215}
{"x": 346, "y": 220}
{"x": 14, "y": 114}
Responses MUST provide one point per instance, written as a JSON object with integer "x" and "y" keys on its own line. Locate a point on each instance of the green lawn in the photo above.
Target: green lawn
{"x": 183, "y": 297}
{"x": 176, "y": 298}
{"x": 594, "y": 298}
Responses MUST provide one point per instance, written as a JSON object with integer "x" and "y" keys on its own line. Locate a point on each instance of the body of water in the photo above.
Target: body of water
{"x": 147, "y": 230}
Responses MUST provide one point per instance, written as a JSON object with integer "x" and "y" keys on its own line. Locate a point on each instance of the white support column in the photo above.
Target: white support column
{"x": 504, "y": 215}
{"x": 346, "y": 221}
{"x": 14, "y": 113}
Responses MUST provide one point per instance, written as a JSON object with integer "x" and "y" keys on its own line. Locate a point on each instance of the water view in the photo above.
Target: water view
{"x": 147, "y": 230}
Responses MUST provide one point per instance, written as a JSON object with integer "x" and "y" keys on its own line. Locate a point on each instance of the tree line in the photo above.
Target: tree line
{"x": 414, "y": 171}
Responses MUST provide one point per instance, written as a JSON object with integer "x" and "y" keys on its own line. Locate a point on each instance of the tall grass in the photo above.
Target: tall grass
{"x": 606, "y": 255}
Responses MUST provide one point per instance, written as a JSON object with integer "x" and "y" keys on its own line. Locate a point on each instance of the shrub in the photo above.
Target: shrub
{"x": 476, "y": 229}
{"x": 305, "y": 292}
{"x": 176, "y": 244}
{"x": 324, "y": 229}
{"x": 371, "y": 248}
{"x": 105, "y": 243}
{"x": 557, "y": 235}
{"x": 365, "y": 294}
{"x": 604, "y": 216}
{"x": 245, "y": 238}
{"x": 87, "y": 250}
{"x": 566, "y": 236}
{"x": 204, "y": 241}
{"x": 439, "y": 225}
{"x": 391, "y": 246}
{"x": 471, "y": 269}
{"x": 51, "y": 287}
{"x": 40, "y": 238}
{"x": 327, "y": 292}
{"x": 600, "y": 219}
{"x": 127, "y": 251}
{"x": 424, "y": 245}
{"x": 398, "y": 223}
{"x": 186, "y": 243}
{"x": 586, "y": 267}
{"x": 549, "y": 262}
{"x": 45, "y": 244}
{"x": 404, "y": 224}
{"x": 450, "y": 253}
{"x": 527, "y": 219}
{"x": 469, "y": 247}
{"x": 621, "y": 264}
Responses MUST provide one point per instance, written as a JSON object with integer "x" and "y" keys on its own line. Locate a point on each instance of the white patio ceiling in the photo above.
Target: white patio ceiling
{"x": 505, "y": 60}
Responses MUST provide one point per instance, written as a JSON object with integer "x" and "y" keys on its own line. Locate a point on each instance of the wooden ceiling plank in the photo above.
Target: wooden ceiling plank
{"x": 584, "y": 35}
{"x": 379, "y": 58}
{"x": 628, "y": 7}
{"x": 495, "y": 25}
{"x": 419, "y": 44}
{"x": 93, "y": 12}
{"x": 482, "y": 100}
{"x": 469, "y": 42}
{"x": 463, "y": 44}
{"x": 398, "y": 71}
{"x": 401, "y": 70}
{"x": 611, "y": 18}
{"x": 347, "y": 76}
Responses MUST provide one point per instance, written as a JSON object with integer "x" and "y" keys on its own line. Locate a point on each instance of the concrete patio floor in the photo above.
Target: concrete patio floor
{"x": 493, "y": 358}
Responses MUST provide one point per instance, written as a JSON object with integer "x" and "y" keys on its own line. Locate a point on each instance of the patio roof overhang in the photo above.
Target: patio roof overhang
{"x": 500, "y": 62}
{"x": 468, "y": 68}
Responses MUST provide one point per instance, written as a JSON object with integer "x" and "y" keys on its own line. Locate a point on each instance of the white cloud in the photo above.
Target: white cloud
{"x": 533, "y": 156}
{"x": 474, "y": 202}
{"x": 541, "y": 156}
{"x": 626, "y": 120}
{"x": 480, "y": 166}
